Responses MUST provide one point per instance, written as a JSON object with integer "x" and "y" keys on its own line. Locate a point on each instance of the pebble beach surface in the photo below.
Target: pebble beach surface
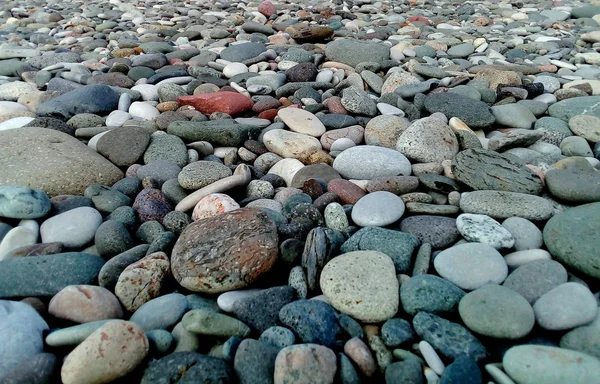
{"x": 299, "y": 192}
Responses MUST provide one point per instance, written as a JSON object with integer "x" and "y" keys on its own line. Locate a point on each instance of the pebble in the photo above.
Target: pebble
{"x": 484, "y": 229}
{"x": 368, "y": 294}
{"x": 374, "y": 162}
{"x": 84, "y": 304}
{"x": 74, "y": 228}
{"x": 566, "y": 306}
{"x": 304, "y": 364}
{"x": 377, "y": 209}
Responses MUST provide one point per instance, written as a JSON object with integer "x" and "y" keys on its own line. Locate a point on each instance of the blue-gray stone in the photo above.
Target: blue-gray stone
{"x": 449, "y": 339}
{"x": 431, "y": 294}
{"x": 313, "y": 321}
{"x": 354, "y": 52}
{"x": 96, "y": 98}
{"x": 39, "y": 369}
{"x": 350, "y": 326}
{"x": 476, "y": 114}
{"x": 47, "y": 275}
{"x": 280, "y": 337}
{"x": 405, "y": 372}
{"x": 188, "y": 367}
{"x": 21, "y": 330}
{"x": 261, "y": 310}
{"x": 110, "y": 272}
{"x": 18, "y": 202}
{"x": 399, "y": 246}
{"x": 463, "y": 370}
{"x": 241, "y": 52}
{"x": 4, "y": 229}
{"x": 254, "y": 362}
{"x": 161, "y": 313}
{"x": 160, "y": 341}
{"x": 565, "y": 109}
{"x": 395, "y": 332}
{"x": 74, "y": 335}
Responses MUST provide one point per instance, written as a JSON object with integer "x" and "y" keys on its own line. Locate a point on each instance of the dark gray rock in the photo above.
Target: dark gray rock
{"x": 261, "y": 310}
{"x": 110, "y": 272}
{"x": 47, "y": 275}
{"x": 395, "y": 332}
{"x": 476, "y": 114}
{"x": 431, "y": 294}
{"x": 112, "y": 238}
{"x": 188, "y": 367}
{"x": 218, "y": 132}
{"x": 39, "y": 369}
{"x": 313, "y": 321}
{"x": 408, "y": 371}
{"x": 463, "y": 370}
{"x": 95, "y": 98}
{"x": 439, "y": 231}
{"x": 241, "y": 52}
{"x": 254, "y": 362}
{"x": 354, "y": 52}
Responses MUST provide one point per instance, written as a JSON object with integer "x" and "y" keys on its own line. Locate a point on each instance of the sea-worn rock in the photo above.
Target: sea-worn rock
{"x": 534, "y": 279}
{"x": 112, "y": 351}
{"x": 55, "y": 162}
{"x": 23, "y": 203}
{"x": 573, "y": 236}
{"x": 484, "y": 229}
{"x": 73, "y": 228}
{"x": 439, "y": 231}
{"x": 377, "y": 209}
{"x": 226, "y": 252}
{"x": 261, "y": 309}
{"x": 476, "y": 114}
{"x": 85, "y": 303}
{"x": 161, "y": 313}
{"x": 428, "y": 140}
{"x": 305, "y": 364}
{"x": 97, "y": 98}
{"x": 567, "y": 306}
{"x": 362, "y": 284}
{"x": 255, "y": 362}
{"x": 314, "y": 321}
{"x": 430, "y": 293}
{"x": 502, "y": 205}
{"x": 188, "y": 366}
{"x": 529, "y": 364}
{"x": 367, "y": 162}
{"x": 142, "y": 281}
{"x": 354, "y": 52}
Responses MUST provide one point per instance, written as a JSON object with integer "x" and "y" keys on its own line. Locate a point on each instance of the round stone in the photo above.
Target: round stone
{"x": 213, "y": 205}
{"x": 566, "y": 306}
{"x": 305, "y": 364}
{"x": 378, "y": 209}
{"x": 84, "y": 304}
{"x": 74, "y": 228}
{"x": 496, "y": 311}
{"x": 366, "y": 162}
{"x": 586, "y": 126}
{"x": 23, "y": 203}
{"x": 225, "y": 252}
{"x": 431, "y": 294}
{"x": 291, "y": 145}
{"x": 526, "y": 234}
{"x": 362, "y": 284}
{"x": 534, "y": 279}
{"x": 484, "y": 229}
{"x": 471, "y": 265}
{"x": 428, "y": 140}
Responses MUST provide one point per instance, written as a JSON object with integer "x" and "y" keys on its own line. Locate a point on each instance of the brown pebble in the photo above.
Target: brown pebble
{"x": 348, "y": 192}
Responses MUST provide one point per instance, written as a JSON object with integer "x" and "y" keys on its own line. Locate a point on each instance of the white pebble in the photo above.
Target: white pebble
{"x": 431, "y": 357}
{"x": 226, "y": 300}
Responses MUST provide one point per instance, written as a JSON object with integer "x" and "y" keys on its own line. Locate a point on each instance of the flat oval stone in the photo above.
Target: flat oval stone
{"x": 225, "y": 252}
{"x": 439, "y": 231}
{"x": 366, "y": 162}
{"x": 431, "y": 294}
{"x": 23, "y": 202}
{"x": 213, "y": 205}
{"x": 291, "y": 144}
{"x": 534, "y": 279}
{"x": 188, "y": 366}
{"x": 471, "y": 265}
{"x": 495, "y": 311}
{"x": 209, "y": 322}
{"x": 112, "y": 351}
{"x": 573, "y": 238}
{"x": 161, "y": 313}
{"x": 566, "y": 306}
{"x": 533, "y": 364}
{"x": 302, "y": 121}
{"x": 202, "y": 173}
{"x": 85, "y": 303}
{"x": 362, "y": 284}
{"x": 502, "y": 205}
{"x": 378, "y": 209}
{"x": 74, "y": 228}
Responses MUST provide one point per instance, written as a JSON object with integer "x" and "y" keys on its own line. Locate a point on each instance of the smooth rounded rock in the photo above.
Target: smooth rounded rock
{"x": 566, "y": 306}
{"x": 367, "y": 162}
{"x": 305, "y": 364}
{"x": 23, "y": 202}
{"x": 85, "y": 303}
{"x": 378, "y": 209}
{"x": 484, "y": 229}
{"x": 74, "y": 228}
{"x": 301, "y": 121}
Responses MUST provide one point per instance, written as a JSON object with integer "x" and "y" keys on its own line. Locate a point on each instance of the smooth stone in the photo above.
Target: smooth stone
{"x": 301, "y": 121}
{"x": 504, "y": 205}
{"x": 428, "y": 140}
{"x": 74, "y": 335}
{"x": 162, "y": 312}
{"x": 74, "y": 228}
{"x": 439, "y": 231}
{"x": 314, "y": 321}
{"x": 476, "y": 114}
{"x": 16, "y": 238}
{"x": 362, "y": 284}
{"x": 377, "y": 209}
{"x": 289, "y": 144}
{"x": 526, "y": 234}
{"x": 536, "y": 278}
{"x": 367, "y": 162}
{"x": 384, "y": 130}
{"x": 142, "y": 281}
{"x": 584, "y": 339}
{"x": 567, "y": 306}
{"x": 286, "y": 169}
{"x": 484, "y": 229}
{"x": 395, "y": 332}
{"x": 112, "y": 238}
{"x": 21, "y": 330}
{"x": 573, "y": 236}
{"x": 96, "y": 98}
{"x": 407, "y": 371}
{"x": 112, "y": 351}
{"x": 531, "y": 364}
{"x": 305, "y": 364}
{"x": 110, "y": 272}
{"x": 471, "y": 265}
{"x": 58, "y": 271}
{"x": 15, "y": 122}
{"x": 399, "y": 246}
{"x": 208, "y": 322}
{"x": 574, "y": 187}
{"x": 430, "y": 293}
{"x": 67, "y": 169}
{"x": 124, "y": 146}
{"x": 450, "y": 340}
{"x": 23, "y": 203}
{"x": 160, "y": 341}
{"x": 513, "y": 115}
{"x": 41, "y": 368}
{"x": 202, "y": 173}
{"x": 213, "y": 205}
{"x": 354, "y": 52}
{"x": 462, "y": 369}
{"x": 496, "y": 311}
{"x": 566, "y": 109}
{"x": 586, "y": 126}
{"x": 85, "y": 303}
{"x": 254, "y": 361}
{"x": 226, "y": 300}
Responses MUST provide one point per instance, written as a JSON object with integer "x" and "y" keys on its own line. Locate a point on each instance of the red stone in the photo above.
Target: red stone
{"x": 269, "y": 114}
{"x": 347, "y": 191}
{"x": 231, "y": 103}
{"x": 267, "y": 8}
{"x": 421, "y": 19}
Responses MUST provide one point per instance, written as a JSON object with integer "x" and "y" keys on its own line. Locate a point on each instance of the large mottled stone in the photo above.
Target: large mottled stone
{"x": 225, "y": 252}
{"x": 54, "y": 162}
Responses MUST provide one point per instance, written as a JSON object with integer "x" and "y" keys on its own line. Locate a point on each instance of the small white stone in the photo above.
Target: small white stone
{"x": 233, "y": 69}
{"x": 226, "y": 300}
{"x": 516, "y": 259}
{"x": 302, "y": 121}
{"x": 15, "y": 122}
{"x": 342, "y": 144}
{"x": 149, "y": 92}
{"x": 15, "y": 238}
{"x": 387, "y": 109}
{"x": 74, "y": 228}
{"x": 431, "y": 357}
{"x": 143, "y": 110}
{"x": 286, "y": 169}
{"x": 325, "y": 76}
{"x": 117, "y": 118}
{"x": 484, "y": 229}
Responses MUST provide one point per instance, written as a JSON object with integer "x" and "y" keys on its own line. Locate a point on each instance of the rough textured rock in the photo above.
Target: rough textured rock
{"x": 225, "y": 252}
